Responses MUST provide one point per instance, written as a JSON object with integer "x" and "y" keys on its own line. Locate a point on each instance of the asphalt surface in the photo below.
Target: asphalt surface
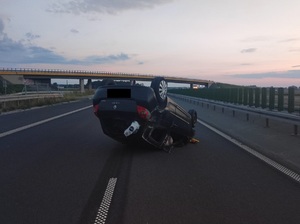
{"x": 59, "y": 171}
{"x": 275, "y": 140}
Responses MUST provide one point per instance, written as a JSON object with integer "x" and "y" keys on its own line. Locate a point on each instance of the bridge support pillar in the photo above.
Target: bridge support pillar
{"x": 191, "y": 86}
{"x": 81, "y": 83}
{"x": 89, "y": 84}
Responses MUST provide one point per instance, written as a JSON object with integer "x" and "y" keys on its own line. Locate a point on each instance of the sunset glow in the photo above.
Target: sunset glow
{"x": 247, "y": 42}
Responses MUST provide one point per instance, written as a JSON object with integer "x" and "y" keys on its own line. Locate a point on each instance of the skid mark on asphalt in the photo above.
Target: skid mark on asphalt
{"x": 101, "y": 201}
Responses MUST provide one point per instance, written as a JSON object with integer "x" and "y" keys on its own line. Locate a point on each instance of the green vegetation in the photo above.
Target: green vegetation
{"x": 34, "y": 98}
{"x": 22, "y": 104}
{"x": 10, "y": 89}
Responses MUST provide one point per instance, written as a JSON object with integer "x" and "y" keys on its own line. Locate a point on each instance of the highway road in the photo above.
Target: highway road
{"x": 61, "y": 168}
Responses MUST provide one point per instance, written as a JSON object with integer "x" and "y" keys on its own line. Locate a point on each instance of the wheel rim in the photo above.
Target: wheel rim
{"x": 162, "y": 90}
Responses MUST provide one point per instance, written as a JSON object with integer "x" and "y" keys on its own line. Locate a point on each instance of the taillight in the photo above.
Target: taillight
{"x": 96, "y": 108}
{"x": 143, "y": 113}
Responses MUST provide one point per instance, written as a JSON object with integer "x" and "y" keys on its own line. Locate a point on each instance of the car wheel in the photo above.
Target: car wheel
{"x": 194, "y": 117}
{"x": 160, "y": 87}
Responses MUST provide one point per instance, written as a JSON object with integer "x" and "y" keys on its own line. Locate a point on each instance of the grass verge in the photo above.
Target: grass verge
{"x": 23, "y": 104}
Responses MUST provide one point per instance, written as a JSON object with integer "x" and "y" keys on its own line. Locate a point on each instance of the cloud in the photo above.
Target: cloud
{"x": 103, "y": 6}
{"x": 291, "y": 74}
{"x": 248, "y": 50}
{"x": 31, "y": 36}
{"x": 257, "y": 39}
{"x": 16, "y": 52}
{"x": 246, "y": 64}
{"x": 294, "y": 50}
{"x": 289, "y": 40}
{"x": 74, "y": 31}
{"x": 1, "y": 26}
{"x": 109, "y": 59}
{"x": 295, "y": 66}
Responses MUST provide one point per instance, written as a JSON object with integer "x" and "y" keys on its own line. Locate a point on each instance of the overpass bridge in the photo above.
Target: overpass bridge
{"x": 89, "y": 75}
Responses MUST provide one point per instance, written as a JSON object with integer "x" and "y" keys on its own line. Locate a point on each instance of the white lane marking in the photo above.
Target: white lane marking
{"x": 105, "y": 204}
{"x": 267, "y": 160}
{"x": 40, "y": 122}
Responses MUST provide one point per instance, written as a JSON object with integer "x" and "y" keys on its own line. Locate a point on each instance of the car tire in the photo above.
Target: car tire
{"x": 160, "y": 86}
{"x": 194, "y": 117}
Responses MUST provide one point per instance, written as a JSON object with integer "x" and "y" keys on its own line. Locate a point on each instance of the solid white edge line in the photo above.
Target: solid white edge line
{"x": 40, "y": 122}
{"x": 106, "y": 201}
{"x": 258, "y": 155}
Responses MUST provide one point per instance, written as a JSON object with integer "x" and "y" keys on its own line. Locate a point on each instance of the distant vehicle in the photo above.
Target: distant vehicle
{"x": 195, "y": 86}
{"x": 132, "y": 112}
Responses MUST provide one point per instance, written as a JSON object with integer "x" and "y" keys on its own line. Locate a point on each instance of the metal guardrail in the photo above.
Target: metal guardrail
{"x": 275, "y": 115}
{"x": 8, "y": 103}
{"x": 11, "y": 98}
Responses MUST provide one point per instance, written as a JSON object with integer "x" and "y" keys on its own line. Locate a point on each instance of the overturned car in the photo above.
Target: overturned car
{"x": 133, "y": 112}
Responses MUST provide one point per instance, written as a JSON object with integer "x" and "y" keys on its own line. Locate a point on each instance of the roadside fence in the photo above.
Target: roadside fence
{"x": 245, "y": 111}
{"x": 273, "y": 99}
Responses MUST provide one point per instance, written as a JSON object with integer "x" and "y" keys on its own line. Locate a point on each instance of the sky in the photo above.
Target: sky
{"x": 243, "y": 42}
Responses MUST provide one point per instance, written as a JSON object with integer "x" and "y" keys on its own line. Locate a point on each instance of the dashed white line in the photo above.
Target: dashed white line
{"x": 267, "y": 160}
{"x": 40, "y": 122}
{"x": 106, "y": 201}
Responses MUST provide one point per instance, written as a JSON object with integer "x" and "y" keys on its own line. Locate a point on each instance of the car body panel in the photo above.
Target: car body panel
{"x": 130, "y": 113}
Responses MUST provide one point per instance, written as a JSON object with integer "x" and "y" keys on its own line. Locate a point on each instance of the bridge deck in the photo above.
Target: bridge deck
{"x": 74, "y": 74}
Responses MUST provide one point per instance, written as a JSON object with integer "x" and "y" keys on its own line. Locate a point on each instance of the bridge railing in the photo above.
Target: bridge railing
{"x": 68, "y": 71}
{"x": 62, "y": 72}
